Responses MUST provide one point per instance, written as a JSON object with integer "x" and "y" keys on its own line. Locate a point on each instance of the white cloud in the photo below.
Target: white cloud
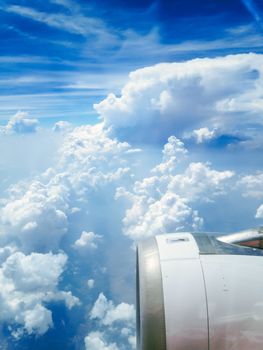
{"x": 169, "y": 213}
{"x": 20, "y": 123}
{"x": 108, "y": 313}
{"x": 100, "y": 307}
{"x": 36, "y": 216}
{"x": 176, "y": 97}
{"x": 26, "y": 286}
{"x": 92, "y": 159}
{"x": 123, "y": 312}
{"x": 5, "y": 252}
{"x": 75, "y": 22}
{"x": 116, "y": 319}
{"x": 173, "y": 152}
{"x": 252, "y": 185}
{"x": 91, "y": 283}
{"x": 199, "y": 182}
{"x": 259, "y": 213}
{"x": 132, "y": 341}
{"x": 203, "y": 134}
{"x": 161, "y": 203}
{"x": 38, "y": 320}
{"x": 45, "y": 213}
{"x": 61, "y": 126}
{"x": 95, "y": 341}
{"x": 29, "y": 272}
{"x": 125, "y": 331}
{"x": 36, "y": 213}
{"x": 87, "y": 240}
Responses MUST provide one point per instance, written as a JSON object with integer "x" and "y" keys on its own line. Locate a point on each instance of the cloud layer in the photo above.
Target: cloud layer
{"x": 82, "y": 216}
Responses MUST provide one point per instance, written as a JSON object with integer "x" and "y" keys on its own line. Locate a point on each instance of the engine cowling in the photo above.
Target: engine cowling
{"x": 197, "y": 293}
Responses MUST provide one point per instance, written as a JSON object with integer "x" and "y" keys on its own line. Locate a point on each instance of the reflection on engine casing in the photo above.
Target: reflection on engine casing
{"x": 197, "y": 293}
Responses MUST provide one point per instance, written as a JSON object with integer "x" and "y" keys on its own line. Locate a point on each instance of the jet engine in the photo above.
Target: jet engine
{"x": 200, "y": 292}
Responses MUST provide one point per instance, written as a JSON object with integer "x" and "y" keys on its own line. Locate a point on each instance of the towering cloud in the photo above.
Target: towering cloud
{"x": 173, "y": 98}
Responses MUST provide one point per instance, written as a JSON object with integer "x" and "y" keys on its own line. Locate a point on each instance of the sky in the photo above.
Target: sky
{"x": 119, "y": 120}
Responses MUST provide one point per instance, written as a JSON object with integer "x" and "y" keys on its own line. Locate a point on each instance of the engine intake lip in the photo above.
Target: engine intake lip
{"x": 151, "y": 331}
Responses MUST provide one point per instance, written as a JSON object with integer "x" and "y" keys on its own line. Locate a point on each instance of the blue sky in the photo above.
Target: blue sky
{"x": 119, "y": 120}
{"x": 59, "y": 57}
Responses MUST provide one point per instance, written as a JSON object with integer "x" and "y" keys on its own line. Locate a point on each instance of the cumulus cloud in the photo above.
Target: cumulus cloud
{"x": 95, "y": 341}
{"x": 116, "y": 319}
{"x": 61, "y": 126}
{"x": 168, "y": 214}
{"x": 20, "y": 123}
{"x": 26, "y": 286}
{"x": 6, "y": 251}
{"x": 203, "y": 135}
{"x": 252, "y": 185}
{"x": 38, "y": 320}
{"x": 173, "y": 152}
{"x": 172, "y": 98}
{"x": 108, "y": 313}
{"x": 36, "y": 213}
{"x": 64, "y": 206}
{"x": 200, "y": 182}
{"x": 87, "y": 240}
{"x": 38, "y": 216}
{"x": 93, "y": 159}
{"x": 164, "y": 202}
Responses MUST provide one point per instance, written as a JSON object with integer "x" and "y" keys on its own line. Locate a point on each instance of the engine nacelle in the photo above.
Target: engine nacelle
{"x": 197, "y": 293}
